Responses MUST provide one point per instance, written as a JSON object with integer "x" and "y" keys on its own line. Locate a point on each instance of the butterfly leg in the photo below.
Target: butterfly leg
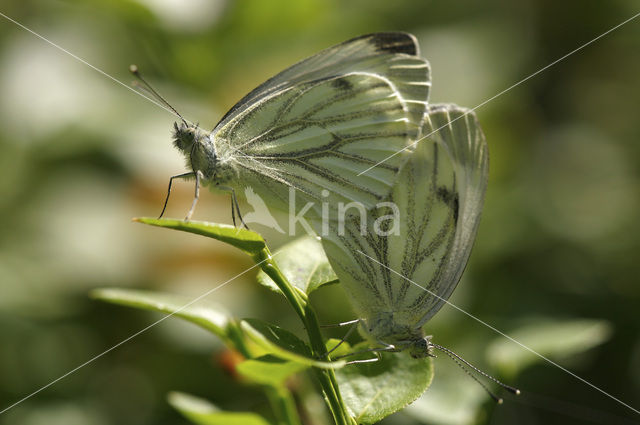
{"x": 196, "y": 196}
{"x": 234, "y": 200}
{"x": 166, "y": 200}
{"x": 349, "y": 332}
{"x": 372, "y": 360}
{"x": 376, "y": 351}
{"x": 235, "y": 207}
{"x": 233, "y": 212}
{"x": 341, "y": 324}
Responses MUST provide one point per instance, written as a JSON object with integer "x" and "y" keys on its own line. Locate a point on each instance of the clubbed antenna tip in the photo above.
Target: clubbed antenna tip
{"x": 460, "y": 361}
{"x": 147, "y": 87}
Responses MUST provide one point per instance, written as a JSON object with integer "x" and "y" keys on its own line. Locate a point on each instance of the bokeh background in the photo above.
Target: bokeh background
{"x": 556, "y": 262}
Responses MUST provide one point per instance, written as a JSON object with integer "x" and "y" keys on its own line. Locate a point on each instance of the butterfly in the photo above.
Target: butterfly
{"x": 314, "y": 127}
{"x": 397, "y": 278}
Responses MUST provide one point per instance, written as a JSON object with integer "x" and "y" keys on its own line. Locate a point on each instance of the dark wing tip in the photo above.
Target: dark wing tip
{"x": 395, "y": 42}
{"x": 391, "y": 42}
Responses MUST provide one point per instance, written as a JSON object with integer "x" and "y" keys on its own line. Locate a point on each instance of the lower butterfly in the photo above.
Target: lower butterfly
{"x": 398, "y": 278}
{"x": 316, "y": 126}
{"x": 399, "y": 272}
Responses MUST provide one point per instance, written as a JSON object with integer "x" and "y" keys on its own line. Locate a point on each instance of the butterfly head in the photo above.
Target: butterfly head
{"x": 421, "y": 348}
{"x": 185, "y": 136}
{"x": 196, "y": 146}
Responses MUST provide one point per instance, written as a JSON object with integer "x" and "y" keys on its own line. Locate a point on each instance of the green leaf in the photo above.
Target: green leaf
{"x": 455, "y": 400}
{"x": 269, "y": 370}
{"x": 205, "y": 314}
{"x": 373, "y": 391}
{"x": 553, "y": 339}
{"x": 246, "y": 240}
{"x": 283, "y": 344}
{"x": 304, "y": 264}
{"x": 202, "y": 412}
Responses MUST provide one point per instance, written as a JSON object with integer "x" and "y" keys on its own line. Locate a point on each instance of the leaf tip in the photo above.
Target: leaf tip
{"x": 96, "y": 294}
{"x": 144, "y": 220}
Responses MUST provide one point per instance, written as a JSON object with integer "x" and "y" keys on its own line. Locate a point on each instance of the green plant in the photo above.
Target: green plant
{"x": 357, "y": 393}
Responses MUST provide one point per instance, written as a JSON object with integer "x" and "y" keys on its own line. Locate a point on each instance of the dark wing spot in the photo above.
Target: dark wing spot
{"x": 456, "y": 207}
{"x": 395, "y": 42}
{"x": 342, "y": 84}
{"x": 451, "y": 199}
{"x": 445, "y": 194}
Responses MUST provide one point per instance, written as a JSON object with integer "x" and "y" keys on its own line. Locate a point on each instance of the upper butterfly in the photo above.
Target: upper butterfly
{"x": 317, "y": 125}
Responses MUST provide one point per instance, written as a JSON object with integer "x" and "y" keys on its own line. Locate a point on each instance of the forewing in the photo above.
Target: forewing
{"x": 393, "y": 55}
{"x": 438, "y": 196}
{"x": 321, "y": 135}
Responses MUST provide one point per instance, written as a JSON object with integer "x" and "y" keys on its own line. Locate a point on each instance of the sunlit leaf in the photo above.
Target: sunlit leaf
{"x": 553, "y": 339}
{"x": 304, "y": 264}
{"x": 246, "y": 240}
{"x": 202, "y": 412}
{"x": 205, "y": 314}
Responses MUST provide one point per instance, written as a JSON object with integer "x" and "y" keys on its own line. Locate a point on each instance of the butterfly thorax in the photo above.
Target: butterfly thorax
{"x": 200, "y": 151}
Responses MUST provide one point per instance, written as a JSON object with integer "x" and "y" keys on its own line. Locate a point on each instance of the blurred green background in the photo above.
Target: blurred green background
{"x": 556, "y": 262}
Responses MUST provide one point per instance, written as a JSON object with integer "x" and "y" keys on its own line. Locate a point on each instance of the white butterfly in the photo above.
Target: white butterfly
{"x": 316, "y": 125}
{"x": 397, "y": 282}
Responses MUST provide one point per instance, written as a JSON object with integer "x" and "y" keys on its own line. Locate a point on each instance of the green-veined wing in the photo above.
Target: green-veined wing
{"x": 317, "y": 125}
{"x": 438, "y": 196}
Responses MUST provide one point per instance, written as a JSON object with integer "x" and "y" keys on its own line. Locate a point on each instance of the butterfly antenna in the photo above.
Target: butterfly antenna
{"x": 461, "y": 362}
{"x": 147, "y": 87}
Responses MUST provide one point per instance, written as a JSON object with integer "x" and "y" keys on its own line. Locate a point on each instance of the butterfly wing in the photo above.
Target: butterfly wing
{"x": 317, "y": 125}
{"x": 369, "y": 53}
{"x": 406, "y": 275}
{"x": 458, "y": 131}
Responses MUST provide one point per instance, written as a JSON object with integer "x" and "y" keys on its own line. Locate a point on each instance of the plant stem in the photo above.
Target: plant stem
{"x": 254, "y": 245}
{"x": 280, "y": 398}
{"x": 303, "y": 309}
{"x": 283, "y": 405}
